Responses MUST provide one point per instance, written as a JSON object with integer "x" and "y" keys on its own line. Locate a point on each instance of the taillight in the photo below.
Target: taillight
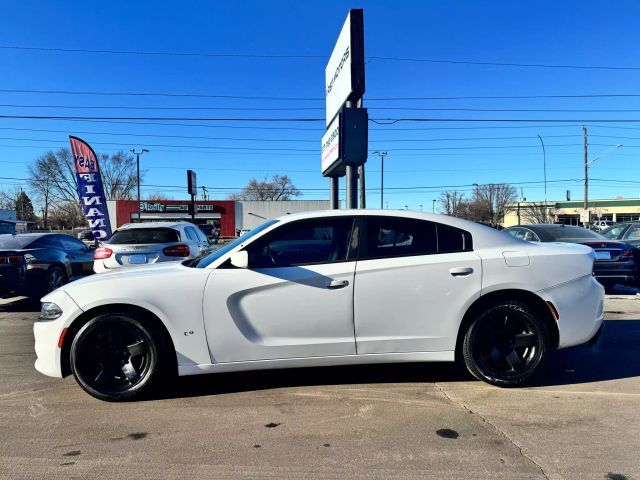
{"x": 101, "y": 253}
{"x": 11, "y": 260}
{"x": 627, "y": 254}
{"x": 176, "y": 251}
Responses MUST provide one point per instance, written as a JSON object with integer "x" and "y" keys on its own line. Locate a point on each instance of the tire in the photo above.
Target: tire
{"x": 505, "y": 344}
{"x": 56, "y": 277}
{"x": 117, "y": 357}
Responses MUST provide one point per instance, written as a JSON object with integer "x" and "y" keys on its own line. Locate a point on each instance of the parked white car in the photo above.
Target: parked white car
{"x": 327, "y": 288}
{"x": 151, "y": 242}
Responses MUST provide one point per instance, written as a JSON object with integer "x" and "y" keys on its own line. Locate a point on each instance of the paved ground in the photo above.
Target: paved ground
{"x": 581, "y": 419}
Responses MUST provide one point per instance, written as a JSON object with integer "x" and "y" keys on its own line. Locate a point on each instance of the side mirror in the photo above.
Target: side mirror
{"x": 240, "y": 259}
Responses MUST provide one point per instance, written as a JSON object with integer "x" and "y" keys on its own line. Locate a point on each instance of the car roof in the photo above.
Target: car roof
{"x": 132, "y": 226}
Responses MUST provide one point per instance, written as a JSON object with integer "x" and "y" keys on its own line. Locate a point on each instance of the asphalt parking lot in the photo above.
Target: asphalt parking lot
{"x": 581, "y": 419}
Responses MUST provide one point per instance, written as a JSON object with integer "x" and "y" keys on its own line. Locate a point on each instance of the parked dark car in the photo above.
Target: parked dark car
{"x": 35, "y": 263}
{"x": 616, "y": 262}
{"x": 628, "y": 233}
{"x": 85, "y": 235}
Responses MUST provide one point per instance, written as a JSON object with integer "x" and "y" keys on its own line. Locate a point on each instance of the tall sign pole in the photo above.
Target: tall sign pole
{"x": 345, "y": 142}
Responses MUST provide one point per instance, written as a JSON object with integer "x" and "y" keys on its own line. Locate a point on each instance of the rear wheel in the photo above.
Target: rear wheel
{"x": 117, "y": 357}
{"x": 505, "y": 344}
{"x": 56, "y": 277}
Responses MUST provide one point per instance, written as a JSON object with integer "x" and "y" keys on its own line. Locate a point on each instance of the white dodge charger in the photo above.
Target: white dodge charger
{"x": 326, "y": 288}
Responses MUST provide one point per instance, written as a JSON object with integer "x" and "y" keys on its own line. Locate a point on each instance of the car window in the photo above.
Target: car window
{"x": 144, "y": 235}
{"x": 72, "y": 245}
{"x": 393, "y": 237}
{"x": 452, "y": 239}
{"x": 516, "y": 232}
{"x": 191, "y": 234}
{"x": 613, "y": 233}
{"x": 47, "y": 241}
{"x": 529, "y": 236}
{"x": 633, "y": 233}
{"x": 200, "y": 234}
{"x": 321, "y": 240}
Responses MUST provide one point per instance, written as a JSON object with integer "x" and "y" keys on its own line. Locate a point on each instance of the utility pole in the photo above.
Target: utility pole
{"x": 137, "y": 154}
{"x": 586, "y": 177}
{"x": 363, "y": 196}
{"x": 381, "y": 154}
{"x": 204, "y": 193}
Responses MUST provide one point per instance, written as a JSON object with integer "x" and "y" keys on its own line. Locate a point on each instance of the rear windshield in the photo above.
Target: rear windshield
{"x": 570, "y": 234}
{"x": 144, "y": 235}
{"x": 15, "y": 241}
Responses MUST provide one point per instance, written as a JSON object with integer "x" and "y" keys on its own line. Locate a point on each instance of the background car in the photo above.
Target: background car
{"x": 600, "y": 225}
{"x": 616, "y": 262}
{"x": 36, "y": 263}
{"x": 628, "y": 233}
{"x": 148, "y": 243}
{"x": 339, "y": 287}
{"x": 85, "y": 235}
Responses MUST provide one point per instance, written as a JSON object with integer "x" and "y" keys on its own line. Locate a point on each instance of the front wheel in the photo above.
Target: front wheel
{"x": 116, "y": 357}
{"x": 505, "y": 344}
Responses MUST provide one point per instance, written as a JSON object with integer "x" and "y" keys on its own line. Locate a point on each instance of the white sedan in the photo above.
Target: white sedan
{"x": 326, "y": 288}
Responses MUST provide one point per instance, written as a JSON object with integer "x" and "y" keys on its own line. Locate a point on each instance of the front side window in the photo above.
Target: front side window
{"x": 321, "y": 240}
{"x": 72, "y": 245}
{"x": 633, "y": 233}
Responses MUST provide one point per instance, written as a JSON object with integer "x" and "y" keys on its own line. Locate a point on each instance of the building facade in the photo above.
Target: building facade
{"x": 231, "y": 217}
{"x": 568, "y": 213}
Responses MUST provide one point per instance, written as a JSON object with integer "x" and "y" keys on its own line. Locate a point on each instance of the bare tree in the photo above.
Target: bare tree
{"x": 66, "y": 215}
{"x": 490, "y": 202}
{"x": 119, "y": 177}
{"x": 537, "y": 213}
{"x": 9, "y": 197}
{"x": 454, "y": 203}
{"x": 157, "y": 197}
{"x": 279, "y": 188}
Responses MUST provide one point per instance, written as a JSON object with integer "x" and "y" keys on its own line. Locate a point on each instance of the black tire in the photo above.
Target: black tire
{"x": 117, "y": 357}
{"x": 505, "y": 344}
{"x": 56, "y": 277}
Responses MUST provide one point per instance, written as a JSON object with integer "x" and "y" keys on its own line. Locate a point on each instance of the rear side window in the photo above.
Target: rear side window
{"x": 48, "y": 241}
{"x": 191, "y": 234}
{"x": 144, "y": 235}
{"x": 395, "y": 237}
{"x": 452, "y": 239}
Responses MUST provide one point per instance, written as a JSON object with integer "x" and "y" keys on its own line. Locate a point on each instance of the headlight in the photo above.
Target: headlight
{"x": 49, "y": 311}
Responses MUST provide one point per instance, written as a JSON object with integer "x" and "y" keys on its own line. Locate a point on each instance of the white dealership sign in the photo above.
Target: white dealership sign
{"x": 344, "y": 73}
{"x": 331, "y": 145}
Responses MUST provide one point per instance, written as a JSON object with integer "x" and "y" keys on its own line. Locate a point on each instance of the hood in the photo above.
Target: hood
{"x": 141, "y": 272}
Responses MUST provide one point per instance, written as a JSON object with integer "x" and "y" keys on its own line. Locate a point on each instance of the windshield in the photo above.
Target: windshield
{"x": 144, "y": 235}
{"x": 212, "y": 257}
{"x": 571, "y": 234}
{"x": 15, "y": 241}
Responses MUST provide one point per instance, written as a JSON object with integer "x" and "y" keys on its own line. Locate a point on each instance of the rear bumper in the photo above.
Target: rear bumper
{"x": 580, "y": 306}
{"x": 615, "y": 271}
{"x": 12, "y": 279}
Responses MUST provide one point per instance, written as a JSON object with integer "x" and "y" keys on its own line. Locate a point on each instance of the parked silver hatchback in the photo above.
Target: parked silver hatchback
{"x": 148, "y": 243}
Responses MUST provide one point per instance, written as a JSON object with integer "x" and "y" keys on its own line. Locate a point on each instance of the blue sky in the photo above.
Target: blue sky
{"x": 460, "y": 153}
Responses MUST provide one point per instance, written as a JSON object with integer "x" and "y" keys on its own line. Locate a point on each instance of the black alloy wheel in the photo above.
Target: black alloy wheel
{"x": 115, "y": 357}
{"x": 56, "y": 277}
{"x": 505, "y": 345}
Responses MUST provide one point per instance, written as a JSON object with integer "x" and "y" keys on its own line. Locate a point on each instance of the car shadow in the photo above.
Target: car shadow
{"x": 222, "y": 383}
{"x": 613, "y": 357}
{"x": 19, "y": 304}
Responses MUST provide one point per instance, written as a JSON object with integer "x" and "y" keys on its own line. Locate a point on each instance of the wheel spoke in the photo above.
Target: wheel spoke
{"x": 514, "y": 361}
{"x": 525, "y": 340}
{"x": 130, "y": 372}
{"x": 138, "y": 348}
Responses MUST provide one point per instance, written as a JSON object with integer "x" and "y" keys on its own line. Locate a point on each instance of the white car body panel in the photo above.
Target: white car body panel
{"x": 421, "y": 313}
{"x": 246, "y": 312}
{"x": 394, "y": 309}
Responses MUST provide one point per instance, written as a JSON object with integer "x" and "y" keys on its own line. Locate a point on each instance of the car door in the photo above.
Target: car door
{"x": 294, "y": 300}
{"x": 80, "y": 256}
{"x": 414, "y": 281}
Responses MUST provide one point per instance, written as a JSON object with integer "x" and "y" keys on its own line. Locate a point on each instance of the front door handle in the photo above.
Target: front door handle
{"x": 461, "y": 271}
{"x": 336, "y": 284}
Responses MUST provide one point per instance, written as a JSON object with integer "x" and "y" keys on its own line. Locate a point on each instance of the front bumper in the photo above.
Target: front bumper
{"x": 47, "y": 334}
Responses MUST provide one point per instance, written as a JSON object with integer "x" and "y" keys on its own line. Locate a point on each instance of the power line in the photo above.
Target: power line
{"x": 379, "y": 121}
{"x": 318, "y": 99}
{"x": 130, "y": 107}
{"x": 309, "y": 56}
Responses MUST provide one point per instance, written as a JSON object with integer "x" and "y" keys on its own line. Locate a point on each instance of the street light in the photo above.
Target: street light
{"x": 544, "y": 166}
{"x": 137, "y": 154}
{"x": 381, "y": 154}
{"x": 587, "y": 163}
{"x": 433, "y": 205}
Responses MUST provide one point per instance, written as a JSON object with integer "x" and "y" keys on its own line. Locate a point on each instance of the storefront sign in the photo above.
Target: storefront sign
{"x": 173, "y": 207}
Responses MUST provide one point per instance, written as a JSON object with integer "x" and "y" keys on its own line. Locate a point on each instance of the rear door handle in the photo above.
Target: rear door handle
{"x": 336, "y": 284}
{"x": 461, "y": 271}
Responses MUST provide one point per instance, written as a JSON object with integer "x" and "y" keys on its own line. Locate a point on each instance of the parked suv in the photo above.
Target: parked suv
{"x": 147, "y": 243}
